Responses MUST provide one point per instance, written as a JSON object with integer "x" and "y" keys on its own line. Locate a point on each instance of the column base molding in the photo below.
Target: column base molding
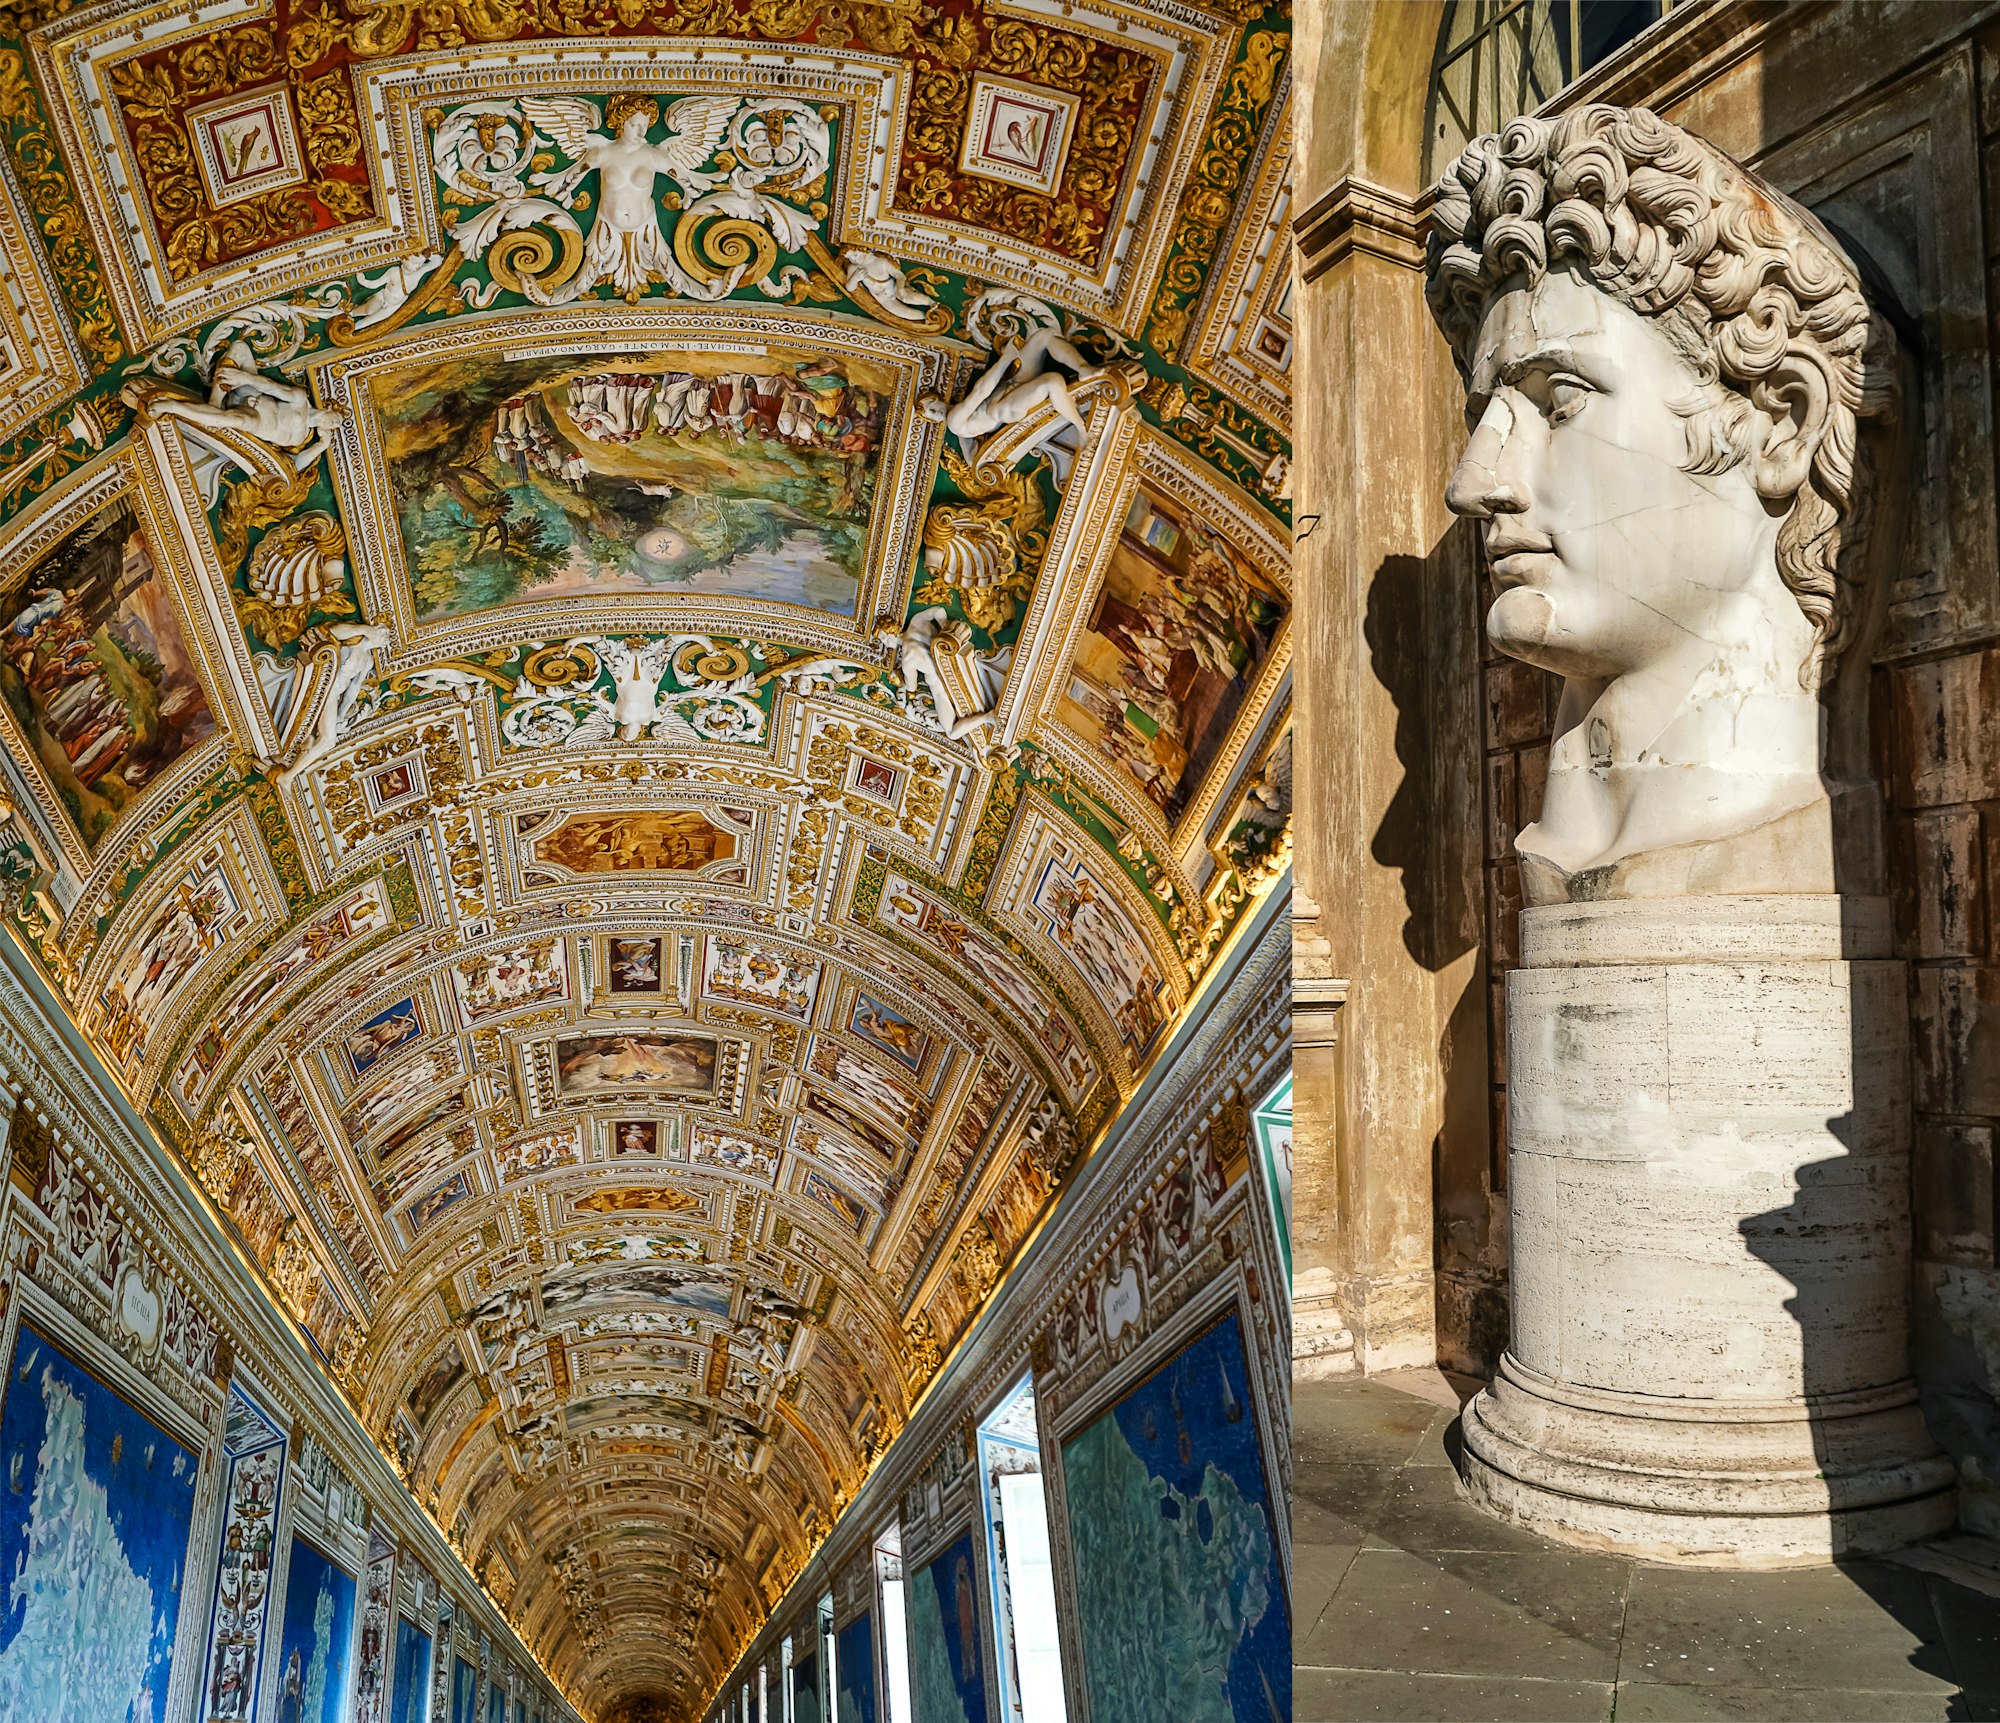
{"x": 1707, "y": 1483}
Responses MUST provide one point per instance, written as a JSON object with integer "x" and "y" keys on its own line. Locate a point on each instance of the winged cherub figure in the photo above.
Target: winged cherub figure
{"x": 626, "y": 246}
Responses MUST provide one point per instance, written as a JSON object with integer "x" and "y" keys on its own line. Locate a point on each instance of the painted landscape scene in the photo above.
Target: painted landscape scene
{"x": 743, "y": 474}
{"x": 96, "y": 672}
{"x": 1179, "y": 631}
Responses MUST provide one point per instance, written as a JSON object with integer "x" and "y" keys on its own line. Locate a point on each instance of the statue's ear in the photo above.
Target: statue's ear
{"x": 1794, "y": 404}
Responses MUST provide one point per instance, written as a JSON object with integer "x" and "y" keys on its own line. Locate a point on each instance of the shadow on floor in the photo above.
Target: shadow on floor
{"x": 1411, "y": 1605}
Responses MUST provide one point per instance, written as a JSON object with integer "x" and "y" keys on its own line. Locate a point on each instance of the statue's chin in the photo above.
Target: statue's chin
{"x": 1521, "y": 622}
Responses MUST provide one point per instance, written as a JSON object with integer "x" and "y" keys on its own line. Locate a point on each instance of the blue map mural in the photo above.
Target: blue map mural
{"x": 854, "y": 1659}
{"x": 319, "y": 1627}
{"x": 1180, "y": 1591}
{"x": 464, "y": 1692}
{"x": 805, "y": 1691}
{"x": 947, "y": 1670}
{"x": 94, "y": 1526}
{"x": 410, "y": 1680}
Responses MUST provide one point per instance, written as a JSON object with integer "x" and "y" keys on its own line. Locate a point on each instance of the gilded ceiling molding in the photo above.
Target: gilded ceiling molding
{"x": 1241, "y": 339}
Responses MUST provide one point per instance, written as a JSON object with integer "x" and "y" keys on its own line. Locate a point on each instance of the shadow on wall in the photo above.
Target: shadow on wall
{"x": 1931, "y": 745}
{"x": 1422, "y": 613}
{"x": 1852, "y": 1214}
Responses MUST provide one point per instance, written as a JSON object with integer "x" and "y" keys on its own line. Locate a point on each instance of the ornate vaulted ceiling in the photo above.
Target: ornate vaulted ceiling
{"x": 628, "y": 838}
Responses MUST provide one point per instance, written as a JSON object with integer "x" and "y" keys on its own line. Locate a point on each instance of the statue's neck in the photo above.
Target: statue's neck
{"x": 1708, "y": 745}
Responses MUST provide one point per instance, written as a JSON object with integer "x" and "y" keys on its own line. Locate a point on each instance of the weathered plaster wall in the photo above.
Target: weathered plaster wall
{"x": 1388, "y": 862}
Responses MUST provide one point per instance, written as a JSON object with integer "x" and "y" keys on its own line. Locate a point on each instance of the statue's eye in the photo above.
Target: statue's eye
{"x": 1566, "y": 397}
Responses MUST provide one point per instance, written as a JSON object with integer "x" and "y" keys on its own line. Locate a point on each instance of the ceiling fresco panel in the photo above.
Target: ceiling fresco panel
{"x": 644, "y": 660}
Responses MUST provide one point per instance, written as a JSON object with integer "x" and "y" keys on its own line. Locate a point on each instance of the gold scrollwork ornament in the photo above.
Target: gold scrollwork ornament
{"x": 298, "y": 568}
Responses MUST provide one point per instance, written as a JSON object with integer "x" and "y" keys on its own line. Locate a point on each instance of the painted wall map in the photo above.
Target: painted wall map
{"x": 96, "y": 672}
{"x": 855, "y": 1659}
{"x": 1180, "y": 1594}
{"x": 318, "y": 1630}
{"x": 1165, "y": 662}
{"x": 947, "y": 1665}
{"x": 94, "y": 1529}
{"x": 749, "y": 474}
{"x": 411, "y": 1680}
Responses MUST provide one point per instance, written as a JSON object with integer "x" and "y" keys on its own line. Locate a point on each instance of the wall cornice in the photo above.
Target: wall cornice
{"x": 1355, "y": 215}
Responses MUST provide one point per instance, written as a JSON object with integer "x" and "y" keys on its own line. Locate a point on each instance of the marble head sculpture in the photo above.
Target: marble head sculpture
{"x": 1668, "y": 365}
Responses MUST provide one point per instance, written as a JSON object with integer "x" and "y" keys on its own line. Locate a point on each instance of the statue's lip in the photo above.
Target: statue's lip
{"x": 1512, "y": 560}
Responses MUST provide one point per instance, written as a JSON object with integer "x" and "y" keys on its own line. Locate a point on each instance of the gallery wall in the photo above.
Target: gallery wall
{"x": 195, "y": 1526}
{"x": 1152, "y": 1312}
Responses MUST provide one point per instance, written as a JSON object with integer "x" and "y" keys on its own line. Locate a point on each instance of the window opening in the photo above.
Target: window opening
{"x": 1272, "y": 1125}
{"x": 1016, "y": 1524}
{"x": 1499, "y": 58}
{"x": 895, "y": 1632}
{"x": 829, "y": 1682}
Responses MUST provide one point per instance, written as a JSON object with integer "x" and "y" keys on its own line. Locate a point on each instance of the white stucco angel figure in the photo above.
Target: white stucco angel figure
{"x": 393, "y": 287}
{"x": 625, "y": 245}
{"x": 243, "y": 399}
{"x": 934, "y": 651}
{"x": 358, "y": 643}
{"x": 1018, "y": 382}
{"x": 880, "y": 278}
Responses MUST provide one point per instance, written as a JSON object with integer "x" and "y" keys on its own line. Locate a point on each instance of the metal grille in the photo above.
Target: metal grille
{"x": 1499, "y": 58}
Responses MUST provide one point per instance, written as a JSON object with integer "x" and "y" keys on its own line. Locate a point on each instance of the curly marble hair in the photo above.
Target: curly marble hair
{"x": 1741, "y": 280}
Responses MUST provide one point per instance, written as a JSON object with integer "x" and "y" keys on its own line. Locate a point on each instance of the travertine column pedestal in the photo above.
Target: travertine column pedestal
{"x": 1708, "y": 1123}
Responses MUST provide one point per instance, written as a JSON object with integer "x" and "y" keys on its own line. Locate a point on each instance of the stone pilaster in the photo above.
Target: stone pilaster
{"x": 1388, "y": 977}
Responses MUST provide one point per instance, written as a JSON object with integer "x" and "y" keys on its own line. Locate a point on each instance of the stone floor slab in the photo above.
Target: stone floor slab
{"x": 1655, "y": 1702}
{"x": 1410, "y": 1605}
{"x": 1351, "y": 1495}
{"x": 1422, "y": 1509}
{"x": 1317, "y": 1572}
{"x": 1441, "y": 1444}
{"x": 1866, "y": 1627}
{"x": 1371, "y": 1696}
{"x": 1970, "y": 1623}
{"x": 1354, "y": 1422}
{"x": 1474, "y": 1613}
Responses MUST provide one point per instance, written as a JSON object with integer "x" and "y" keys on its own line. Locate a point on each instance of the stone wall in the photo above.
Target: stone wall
{"x": 1941, "y": 756}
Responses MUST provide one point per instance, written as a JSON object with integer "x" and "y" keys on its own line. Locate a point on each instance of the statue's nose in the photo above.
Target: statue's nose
{"x": 1476, "y": 488}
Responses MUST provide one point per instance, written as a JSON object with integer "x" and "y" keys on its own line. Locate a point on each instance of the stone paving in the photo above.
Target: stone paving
{"x": 1413, "y": 1606}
